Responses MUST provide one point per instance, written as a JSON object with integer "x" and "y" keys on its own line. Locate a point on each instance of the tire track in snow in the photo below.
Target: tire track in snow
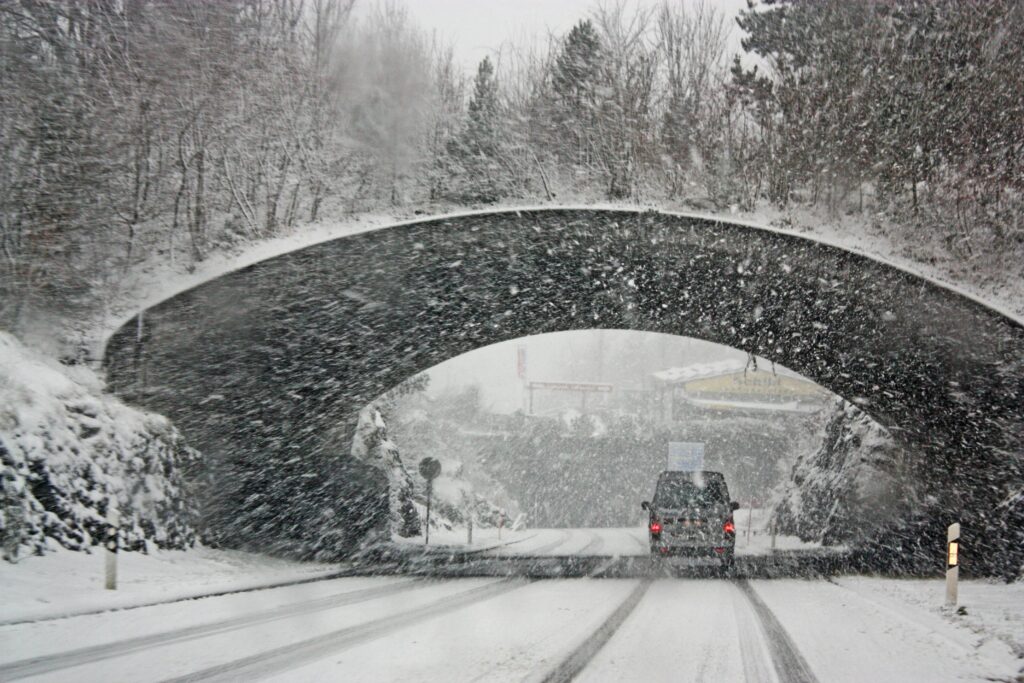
{"x": 342, "y": 574}
{"x": 293, "y": 655}
{"x": 87, "y": 655}
{"x": 564, "y": 536}
{"x": 644, "y": 544}
{"x": 757, "y": 661}
{"x": 788, "y": 662}
{"x": 581, "y": 656}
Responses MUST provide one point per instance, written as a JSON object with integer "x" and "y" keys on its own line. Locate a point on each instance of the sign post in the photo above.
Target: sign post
{"x": 113, "y": 523}
{"x": 952, "y": 563}
{"x": 429, "y": 469}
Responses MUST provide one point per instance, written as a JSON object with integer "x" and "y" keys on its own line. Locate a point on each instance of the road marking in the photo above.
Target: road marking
{"x": 581, "y": 656}
{"x": 788, "y": 662}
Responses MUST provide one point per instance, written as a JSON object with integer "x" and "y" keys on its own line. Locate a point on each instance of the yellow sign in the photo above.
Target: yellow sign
{"x": 753, "y": 384}
{"x": 951, "y": 555}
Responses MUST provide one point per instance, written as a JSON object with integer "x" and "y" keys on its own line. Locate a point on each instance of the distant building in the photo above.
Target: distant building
{"x": 733, "y": 387}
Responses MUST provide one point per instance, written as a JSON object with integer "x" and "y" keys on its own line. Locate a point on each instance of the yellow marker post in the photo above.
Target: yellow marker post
{"x": 952, "y": 563}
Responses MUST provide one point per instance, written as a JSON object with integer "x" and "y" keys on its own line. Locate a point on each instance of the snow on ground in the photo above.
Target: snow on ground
{"x": 685, "y": 631}
{"x": 65, "y": 582}
{"x": 512, "y": 637}
{"x": 886, "y": 638}
{"x": 180, "y": 656}
{"x": 399, "y": 628}
{"x": 991, "y": 609}
{"x": 849, "y": 628}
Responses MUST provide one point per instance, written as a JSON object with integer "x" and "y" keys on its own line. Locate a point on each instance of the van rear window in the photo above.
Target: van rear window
{"x": 681, "y": 493}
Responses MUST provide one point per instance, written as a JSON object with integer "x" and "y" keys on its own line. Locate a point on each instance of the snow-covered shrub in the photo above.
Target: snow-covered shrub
{"x": 67, "y": 450}
{"x": 846, "y": 488}
{"x": 372, "y": 445}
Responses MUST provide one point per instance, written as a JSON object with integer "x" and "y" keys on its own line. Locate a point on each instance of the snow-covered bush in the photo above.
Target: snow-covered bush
{"x": 67, "y": 450}
{"x": 453, "y": 498}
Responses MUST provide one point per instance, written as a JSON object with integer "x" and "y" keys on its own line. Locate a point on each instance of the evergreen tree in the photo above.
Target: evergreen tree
{"x": 575, "y": 84}
{"x": 480, "y": 169}
{"x": 481, "y": 132}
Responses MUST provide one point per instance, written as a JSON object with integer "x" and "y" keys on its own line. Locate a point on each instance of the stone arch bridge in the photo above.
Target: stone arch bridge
{"x": 265, "y": 368}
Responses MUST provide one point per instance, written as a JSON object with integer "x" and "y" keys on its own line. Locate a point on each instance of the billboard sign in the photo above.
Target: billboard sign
{"x": 685, "y": 456}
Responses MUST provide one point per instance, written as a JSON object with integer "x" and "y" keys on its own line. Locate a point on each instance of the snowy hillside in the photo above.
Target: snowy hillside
{"x": 67, "y": 449}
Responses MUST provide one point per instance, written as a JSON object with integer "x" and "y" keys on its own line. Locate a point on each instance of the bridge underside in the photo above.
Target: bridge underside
{"x": 265, "y": 368}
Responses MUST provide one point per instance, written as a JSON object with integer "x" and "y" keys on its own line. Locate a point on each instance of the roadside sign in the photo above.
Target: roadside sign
{"x": 429, "y": 469}
{"x": 594, "y": 387}
{"x": 685, "y": 456}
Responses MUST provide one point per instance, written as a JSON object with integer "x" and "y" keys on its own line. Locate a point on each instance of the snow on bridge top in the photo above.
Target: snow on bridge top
{"x": 154, "y": 286}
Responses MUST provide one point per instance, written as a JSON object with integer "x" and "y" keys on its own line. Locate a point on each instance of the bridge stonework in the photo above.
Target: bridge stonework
{"x": 266, "y": 367}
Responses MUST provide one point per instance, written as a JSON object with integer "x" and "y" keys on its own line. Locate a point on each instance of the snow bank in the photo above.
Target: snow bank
{"x": 66, "y": 449}
{"x": 66, "y": 583}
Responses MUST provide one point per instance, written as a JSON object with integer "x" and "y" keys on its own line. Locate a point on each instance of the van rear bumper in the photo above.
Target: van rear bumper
{"x": 684, "y": 550}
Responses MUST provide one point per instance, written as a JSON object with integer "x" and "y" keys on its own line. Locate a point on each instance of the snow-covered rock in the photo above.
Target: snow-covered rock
{"x": 848, "y": 486}
{"x": 67, "y": 450}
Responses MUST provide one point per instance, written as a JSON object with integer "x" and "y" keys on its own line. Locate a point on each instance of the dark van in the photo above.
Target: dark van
{"x": 691, "y": 514}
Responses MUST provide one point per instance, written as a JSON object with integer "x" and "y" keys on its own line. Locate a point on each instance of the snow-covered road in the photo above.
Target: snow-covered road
{"x": 475, "y": 629}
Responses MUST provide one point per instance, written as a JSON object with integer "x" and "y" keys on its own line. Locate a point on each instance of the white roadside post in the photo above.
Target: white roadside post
{"x": 952, "y": 563}
{"x": 113, "y": 522}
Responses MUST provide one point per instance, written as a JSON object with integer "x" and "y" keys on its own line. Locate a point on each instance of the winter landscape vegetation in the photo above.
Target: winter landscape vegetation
{"x": 260, "y": 260}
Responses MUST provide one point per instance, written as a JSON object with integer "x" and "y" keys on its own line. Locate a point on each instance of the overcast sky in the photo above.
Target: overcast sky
{"x": 623, "y": 358}
{"x": 477, "y": 28}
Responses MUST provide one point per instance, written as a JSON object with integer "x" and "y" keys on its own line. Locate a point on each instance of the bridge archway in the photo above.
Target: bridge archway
{"x": 266, "y": 359}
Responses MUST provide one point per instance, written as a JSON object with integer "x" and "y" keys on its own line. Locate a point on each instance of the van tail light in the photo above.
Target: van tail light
{"x": 655, "y": 527}
{"x": 729, "y": 527}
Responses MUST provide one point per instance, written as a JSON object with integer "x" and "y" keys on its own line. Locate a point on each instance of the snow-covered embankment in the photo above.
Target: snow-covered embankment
{"x": 67, "y": 450}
